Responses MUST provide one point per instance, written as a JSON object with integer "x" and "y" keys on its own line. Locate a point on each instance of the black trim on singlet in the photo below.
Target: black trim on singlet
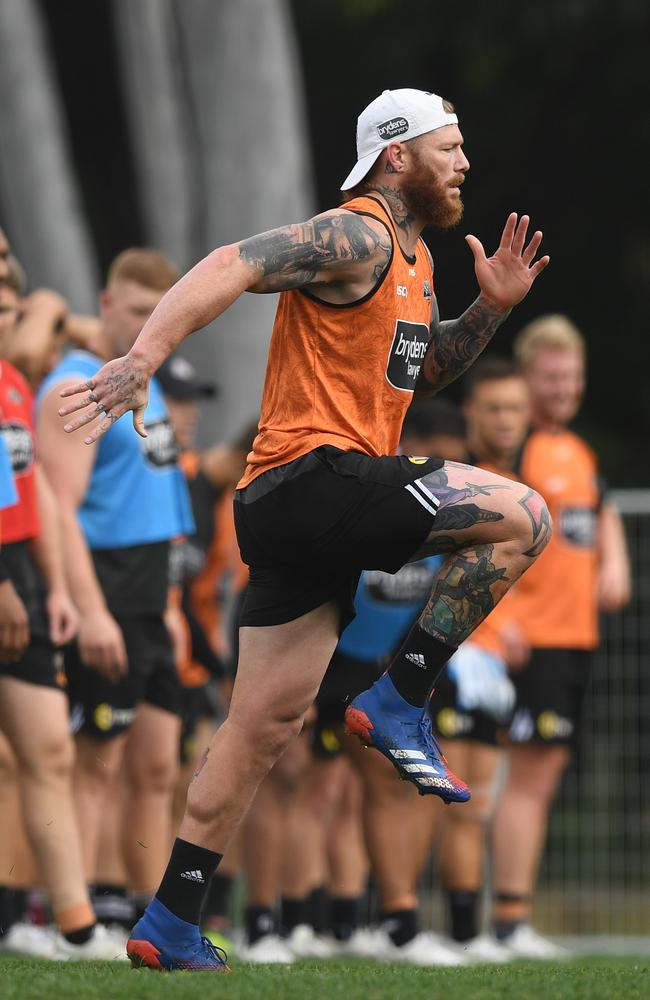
{"x": 407, "y": 258}
{"x": 375, "y": 288}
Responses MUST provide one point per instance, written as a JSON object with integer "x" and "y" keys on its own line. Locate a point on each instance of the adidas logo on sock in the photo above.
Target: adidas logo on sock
{"x": 194, "y": 876}
{"x": 417, "y": 659}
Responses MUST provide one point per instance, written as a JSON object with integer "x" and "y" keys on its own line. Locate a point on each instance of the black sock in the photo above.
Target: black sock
{"x": 7, "y": 911}
{"x": 418, "y": 663}
{"x": 504, "y": 928}
{"x": 113, "y": 905}
{"x": 293, "y": 913}
{"x": 139, "y": 903}
{"x": 344, "y": 916}
{"x": 187, "y": 878}
{"x": 463, "y": 906}
{"x": 217, "y": 904}
{"x": 81, "y": 935}
{"x": 259, "y": 922}
{"x": 319, "y": 907}
{"x": 400, "y": 925}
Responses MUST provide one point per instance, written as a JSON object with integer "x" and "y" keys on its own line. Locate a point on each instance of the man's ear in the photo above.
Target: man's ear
{"x": 394, "y": 158}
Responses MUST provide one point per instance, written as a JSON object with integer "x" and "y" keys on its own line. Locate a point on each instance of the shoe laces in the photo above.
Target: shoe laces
{"x": 426, "y": 728}
{"x": 214, "y": 951}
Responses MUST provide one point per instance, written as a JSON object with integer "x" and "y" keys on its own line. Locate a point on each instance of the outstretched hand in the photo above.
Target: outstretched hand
{"x": 119, "y": 386}
{"x": 507, "y": 276}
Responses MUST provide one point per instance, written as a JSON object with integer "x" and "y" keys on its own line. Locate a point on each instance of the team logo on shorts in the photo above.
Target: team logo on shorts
{"x": 552, "y": 726}
{"x": 418, "y": 459}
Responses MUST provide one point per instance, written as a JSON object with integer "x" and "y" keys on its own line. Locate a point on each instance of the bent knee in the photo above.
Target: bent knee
{"x": 530, "y": 521}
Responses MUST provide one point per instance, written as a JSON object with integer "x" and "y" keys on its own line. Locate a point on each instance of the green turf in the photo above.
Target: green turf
{"x": 582, "y": 979}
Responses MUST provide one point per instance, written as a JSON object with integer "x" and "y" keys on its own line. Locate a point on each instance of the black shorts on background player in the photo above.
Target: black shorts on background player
{"x": 451, "y": 722}
{"x": 42, "y": 662}
{"x": 102, "y": 709}
{"x": 344, "y": 679}
{"x": 550, "y": 697}
{"x": 308, "y": 528}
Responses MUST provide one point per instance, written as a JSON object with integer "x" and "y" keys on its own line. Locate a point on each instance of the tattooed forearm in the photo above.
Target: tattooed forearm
{"x": 540, "y": 521}
{"x": 455, "y": 344}
{"x": 466, "y": 590}
{"x": 294, "y": 256}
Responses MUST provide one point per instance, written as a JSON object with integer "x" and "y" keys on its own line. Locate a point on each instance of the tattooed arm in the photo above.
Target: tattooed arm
{"x": 455, "y": 344}
{"x": 339, "y": 252}
{"x": 335, "y": 248}
{"x": 504, "y": 279}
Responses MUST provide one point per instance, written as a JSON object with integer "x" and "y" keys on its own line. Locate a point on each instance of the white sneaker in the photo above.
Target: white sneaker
{"x": 269, "y": 949}
{"x": 424, "y": 949}
{"x": 525, "y": 942}
{"x": 305, "y": 943}
{"x": 484, "y": 949}
{"x": 28, "y": 939}
{"x": 365, "y": 942}
{"x": 102, "y": 946}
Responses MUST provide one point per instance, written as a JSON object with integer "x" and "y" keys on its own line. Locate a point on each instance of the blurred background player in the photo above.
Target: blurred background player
{"x": 474, "y": 697}
{"x": 555, "y": 607}
{"x": 121, "y": 507}
{"x": 37, "y": 749}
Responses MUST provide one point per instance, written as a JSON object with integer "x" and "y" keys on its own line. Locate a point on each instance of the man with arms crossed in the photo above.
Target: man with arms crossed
{"x": 324, "y": 495}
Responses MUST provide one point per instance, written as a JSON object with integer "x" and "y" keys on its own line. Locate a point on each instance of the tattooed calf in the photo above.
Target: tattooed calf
{"x": 463, "y": 595}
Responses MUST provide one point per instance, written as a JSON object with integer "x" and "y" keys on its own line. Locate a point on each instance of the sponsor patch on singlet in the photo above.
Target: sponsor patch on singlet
{"x": 160, "y": 448}
{"x": 20, "y": 446}
{"x": 407, "y": 354}
{"x": 578, "y": 526}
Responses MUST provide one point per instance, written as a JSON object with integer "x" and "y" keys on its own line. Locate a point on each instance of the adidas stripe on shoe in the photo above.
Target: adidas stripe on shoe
{"x": 382, "y": 719}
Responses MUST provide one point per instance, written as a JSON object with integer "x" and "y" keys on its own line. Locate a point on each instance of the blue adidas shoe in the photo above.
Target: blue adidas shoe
{"x": 382, "y": 719}
{"x": 162, "y": 941}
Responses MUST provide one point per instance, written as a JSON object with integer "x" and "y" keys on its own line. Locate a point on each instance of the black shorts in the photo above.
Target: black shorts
{"x": 102, "y": 709}
{"x": 308, "y": 528}
{"x": 452, "y": 722}
{"x": 41, "y": 663}
{"x": 344, "y": 679}
{"x": 550, "y": 697}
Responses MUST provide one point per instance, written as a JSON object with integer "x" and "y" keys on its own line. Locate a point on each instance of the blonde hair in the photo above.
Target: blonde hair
{"x": 145, "y": 267}
{"x": 555, "y": 331}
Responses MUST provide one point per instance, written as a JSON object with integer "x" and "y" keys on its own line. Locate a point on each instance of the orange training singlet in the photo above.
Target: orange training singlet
{"x": 556, "y": 602}
{"x": 344, "y": 375}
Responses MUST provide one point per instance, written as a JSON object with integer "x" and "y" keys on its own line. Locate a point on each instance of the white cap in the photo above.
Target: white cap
{"x": 395, "y": 114}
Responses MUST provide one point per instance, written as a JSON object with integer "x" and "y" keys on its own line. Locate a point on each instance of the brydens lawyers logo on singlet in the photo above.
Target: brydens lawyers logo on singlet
{"x": 406, "y": 354}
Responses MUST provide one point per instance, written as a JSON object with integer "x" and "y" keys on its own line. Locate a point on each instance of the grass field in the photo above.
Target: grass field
{"x": 582, "y": 979}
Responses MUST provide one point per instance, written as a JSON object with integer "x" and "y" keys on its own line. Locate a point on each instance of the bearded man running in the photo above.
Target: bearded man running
{"x": 324, "y": 496}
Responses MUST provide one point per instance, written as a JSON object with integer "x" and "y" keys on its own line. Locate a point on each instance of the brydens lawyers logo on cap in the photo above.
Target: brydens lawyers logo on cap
{"x": 393, "y": 127}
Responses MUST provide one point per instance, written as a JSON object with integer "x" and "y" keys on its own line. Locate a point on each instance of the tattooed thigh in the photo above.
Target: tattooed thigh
{"x": 474, "y": 506}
